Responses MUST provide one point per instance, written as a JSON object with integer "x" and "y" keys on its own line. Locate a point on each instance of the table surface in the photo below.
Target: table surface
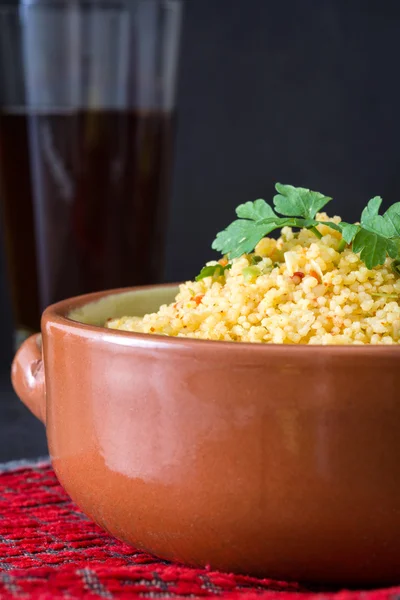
{"x": 21, "y": 434}
{"x": 50, "y": 550}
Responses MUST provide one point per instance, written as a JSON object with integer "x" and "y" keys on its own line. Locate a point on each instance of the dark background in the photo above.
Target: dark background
{"x": 303, "y": 92}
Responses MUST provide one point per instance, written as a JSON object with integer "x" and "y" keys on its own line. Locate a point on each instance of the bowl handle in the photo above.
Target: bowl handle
{"x": 27, "y": 376}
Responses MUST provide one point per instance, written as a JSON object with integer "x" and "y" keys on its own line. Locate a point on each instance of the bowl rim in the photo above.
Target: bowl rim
{"x": 57, "y": 314}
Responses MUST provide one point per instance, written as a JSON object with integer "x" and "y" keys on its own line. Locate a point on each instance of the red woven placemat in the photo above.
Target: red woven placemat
{"x": 49, "y": 549}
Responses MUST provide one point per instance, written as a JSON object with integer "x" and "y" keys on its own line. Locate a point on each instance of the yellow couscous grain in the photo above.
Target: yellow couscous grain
{"x": 303, "y": 291}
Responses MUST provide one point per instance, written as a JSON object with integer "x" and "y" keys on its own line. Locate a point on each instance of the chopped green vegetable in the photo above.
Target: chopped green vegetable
{"x": 254, "y": 259}
{"x": 214, "y": 271}
{"x": 382, "y": 295}
{"x": 251, "y": 273}
{"x": 376, "y": 237}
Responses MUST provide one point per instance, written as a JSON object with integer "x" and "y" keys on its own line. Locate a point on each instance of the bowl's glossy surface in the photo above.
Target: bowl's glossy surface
{"x": 281, "y": 461}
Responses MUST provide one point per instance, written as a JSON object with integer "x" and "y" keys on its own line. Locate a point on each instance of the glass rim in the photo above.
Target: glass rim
{"x": 9, "y": 6}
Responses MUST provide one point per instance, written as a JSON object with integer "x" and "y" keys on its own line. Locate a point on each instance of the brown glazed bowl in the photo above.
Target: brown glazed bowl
{"x": 271, "y": 460}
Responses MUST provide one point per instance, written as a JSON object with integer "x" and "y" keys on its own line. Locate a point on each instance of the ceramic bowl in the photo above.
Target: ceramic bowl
{"x": 271, "y": 460}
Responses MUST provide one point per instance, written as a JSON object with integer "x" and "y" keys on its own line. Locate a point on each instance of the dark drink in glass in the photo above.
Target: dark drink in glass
{"x": 85, "y": 179}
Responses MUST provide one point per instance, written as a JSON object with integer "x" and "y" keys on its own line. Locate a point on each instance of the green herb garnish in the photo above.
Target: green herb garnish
{"x": 213, "y": 271}
{"x": 376, "y": 237}
{"x": 396, "y": 266}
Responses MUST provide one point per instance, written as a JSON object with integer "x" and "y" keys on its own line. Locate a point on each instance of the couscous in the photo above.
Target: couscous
{"x": 305, "y": 287}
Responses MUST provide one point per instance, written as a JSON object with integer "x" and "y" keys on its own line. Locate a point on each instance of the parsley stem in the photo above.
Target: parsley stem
{"x": 316, "y": 232}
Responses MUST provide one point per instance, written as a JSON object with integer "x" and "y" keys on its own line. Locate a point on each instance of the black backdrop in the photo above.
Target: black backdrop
{"x": 303, "y": 92}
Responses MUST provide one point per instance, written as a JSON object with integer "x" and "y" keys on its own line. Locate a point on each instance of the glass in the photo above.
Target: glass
{"x": 87, "y": 114}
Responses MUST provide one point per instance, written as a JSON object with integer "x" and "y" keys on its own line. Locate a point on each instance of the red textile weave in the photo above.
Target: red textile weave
{"x": 49, "y": 549}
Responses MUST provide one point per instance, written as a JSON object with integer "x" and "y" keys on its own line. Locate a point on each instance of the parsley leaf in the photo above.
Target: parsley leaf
{"x": 374, "y": 222}
{"x": 255, "y": 211}
{"x": 372, "y": 248}
{"x": 387, "y": 224}
{"x": 396, "y": 266}
{"x": 392, "y": 216}
{"x": 348, "y": 231}
{"x": 376, "y": 237}
{"x": 298, "y": 202}
{"x": 241, "y": 237}
{"x": 371, "y": 210}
